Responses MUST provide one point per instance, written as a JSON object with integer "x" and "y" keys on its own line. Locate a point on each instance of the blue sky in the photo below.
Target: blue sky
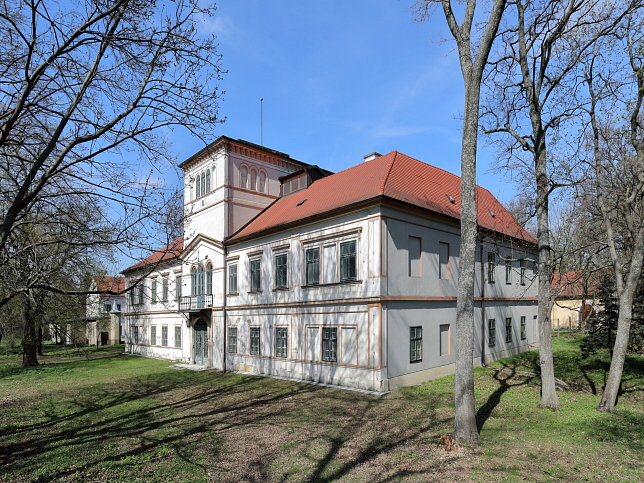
{"x": 341, "y": 79}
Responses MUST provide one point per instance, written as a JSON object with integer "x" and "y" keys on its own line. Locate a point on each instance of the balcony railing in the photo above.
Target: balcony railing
{"x": 194, "y": 303}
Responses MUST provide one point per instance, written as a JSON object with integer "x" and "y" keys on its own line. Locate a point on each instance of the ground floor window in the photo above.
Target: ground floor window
{"x": 415, "y": 344}
{"x": 523, "y": 333}
{"x": 444, "y": 340}
{"x": 232, "y": 340}
{"x": 281, "y": 342}
{"x": 508, "y": 330}
{"x": 177, "y": 336}
{"x": 254, "y": 341}
{"x": 135, "y": 334}
{"x": 153, "y": 335}
{"x": 491, "y": 332}
{"x": 329, "y": 344}
{"x": 164, "y": 335}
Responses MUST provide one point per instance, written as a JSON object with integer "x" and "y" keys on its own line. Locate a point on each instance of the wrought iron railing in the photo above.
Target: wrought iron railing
{"x": 195, "y": 302}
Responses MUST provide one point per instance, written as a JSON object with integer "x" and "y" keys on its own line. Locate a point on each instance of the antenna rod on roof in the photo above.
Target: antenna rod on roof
{"x": 261, "y": 121}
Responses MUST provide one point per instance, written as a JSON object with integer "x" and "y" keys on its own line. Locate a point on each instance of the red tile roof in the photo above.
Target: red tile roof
{"x": 395, "y": 176}
{"x": 110, "y": 284}
{"x": 575, "y": 284}
{"x": 167, "y": 253}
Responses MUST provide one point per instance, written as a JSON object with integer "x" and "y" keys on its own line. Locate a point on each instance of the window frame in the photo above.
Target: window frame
{"x": 508, "y": 330}
{"x": 281, "y": 342}
{"x": 491, "y": 332}
{"x": 255, "y": 341}
{"x": 236, "y": 278}
{"x": 153, "y": 289}
{"x": 255, "y": 267}
{"x": 281, "y": 270}
{"x": 153, "y": 334}
{"x": 491, "y": 267}
{"x": 179, "y": 331}
{"x": 523, "y": 333}
{"x": 164, "y": 288}
{"x": 178, "y": 287}
{"x": 231, "y": 336}
{"x": 415, "y": 344}
{"x": 522, "y": 268}
{"x": 135, "y": 334}
{"x": 312, "y": 262}
{"x": 107, "y": 307}
{"x": 208, "y": 275}
{"x": 164, "y": 335}
{"x": 347, "y": 261}
{"x": 329, "y": 344}
{"x": 508, "y": 271}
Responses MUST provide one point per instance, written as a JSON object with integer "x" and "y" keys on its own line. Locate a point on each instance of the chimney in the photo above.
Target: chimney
{"x": 370, "y": 156}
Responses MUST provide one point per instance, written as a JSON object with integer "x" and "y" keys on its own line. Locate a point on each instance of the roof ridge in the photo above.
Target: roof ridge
{"x": 384, "y": 181}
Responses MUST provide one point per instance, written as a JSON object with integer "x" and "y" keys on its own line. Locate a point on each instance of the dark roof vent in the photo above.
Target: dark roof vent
{"x": 451, "y": 199}
{"x": 492, "y": 213}
{"x": 302, "y": 202}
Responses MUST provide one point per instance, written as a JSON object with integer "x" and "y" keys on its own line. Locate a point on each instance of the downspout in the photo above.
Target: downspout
{"x": 224, "y": 304}
{"x": 482, "y": 303}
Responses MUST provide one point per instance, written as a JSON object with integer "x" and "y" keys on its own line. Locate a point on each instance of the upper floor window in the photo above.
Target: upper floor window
{"x": 508, "y": 271}
{"x": 443, "y": 259}
{"x": 261, "y": 185}
{"x": 253, "y": 179}
{"x": 491, "y": 266}
{"x": 348, "y": 270}
{"x": 108, "y": 307}
{"x": 281, "y": 270}
{"x": 232, "y": 278}
{"x": 522, "y": 271}
{"x": 256, "y": 275}
{"x": 203, "y": 184}
{"x": 209, "y": 278}
{"x": 164, "y": 289}
{"x": 198, "y": 186}
{"x": 155, "y": 295}
{"x": 313, "y": 266}
{"x": 178, "y": 287}
{"x": 207, "y": 181}
{"x": 243, "y": 177}
{"x": 197, "y": 280}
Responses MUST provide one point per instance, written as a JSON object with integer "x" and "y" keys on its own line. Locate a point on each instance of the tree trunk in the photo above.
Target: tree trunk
{"x": 465, "y": 411}
{"x": 29, "y": 337}
{"x": 549, "y": 398}
{"x": 40, "y": 335}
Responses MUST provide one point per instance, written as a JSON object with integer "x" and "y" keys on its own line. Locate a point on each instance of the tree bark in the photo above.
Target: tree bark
{"x": 29, "y": 336}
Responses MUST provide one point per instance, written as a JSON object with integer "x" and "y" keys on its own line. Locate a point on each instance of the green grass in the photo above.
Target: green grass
{"x": 98, "y": 415}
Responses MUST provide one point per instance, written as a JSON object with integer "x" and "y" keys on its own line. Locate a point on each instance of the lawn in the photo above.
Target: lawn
{"x": 96, "y": 414}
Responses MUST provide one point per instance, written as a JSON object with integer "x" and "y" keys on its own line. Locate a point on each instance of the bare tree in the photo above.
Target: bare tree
{"x": 532, "y": 100}
{"x": 616, "y": 114}
{"x": 473, "y": 55}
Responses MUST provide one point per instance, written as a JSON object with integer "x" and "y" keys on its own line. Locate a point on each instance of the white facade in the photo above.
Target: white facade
{"x": 379, "y": 315}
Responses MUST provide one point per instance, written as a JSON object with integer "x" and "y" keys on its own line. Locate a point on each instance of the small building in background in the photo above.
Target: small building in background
{"x": 104, "y": 312}
{"x": 576, "y": 299}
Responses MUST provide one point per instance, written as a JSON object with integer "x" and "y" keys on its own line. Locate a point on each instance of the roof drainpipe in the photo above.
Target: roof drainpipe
{"x": 482, "y": 303}
{"x": 224, "y": 305}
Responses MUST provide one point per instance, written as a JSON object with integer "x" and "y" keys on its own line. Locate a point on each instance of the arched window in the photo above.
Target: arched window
{"x": 209, "y": 278}
{"x": 200, "y": 280}
{"x": 214, "y": 177}
{"x": 203, "y": 184}
{"x": 198, "y": 186}
{"x": 253, "y": 179}
{"x": 262, "y": 182}
{"x": 208, "y": 181}
{"x": 243, "y": 177}
{"x": 193, "y": 281}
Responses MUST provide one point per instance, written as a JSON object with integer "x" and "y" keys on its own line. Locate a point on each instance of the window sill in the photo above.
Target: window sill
{"x": 254, "y": 291}
{"x": 233, "y": 294}
{"x": 416, "y": 362}
{"x": 348, "y": 282}
{"x": 281, "y": 289}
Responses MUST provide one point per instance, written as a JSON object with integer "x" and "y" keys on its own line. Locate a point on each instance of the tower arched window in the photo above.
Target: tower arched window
{"x": 214, "y": 177}
{"x": 209, "y": 278}
{"x": 208, "y": 181}
{"x": 243, "y": 177}
{"x": 253, "y": 179}
{"x": 203, "y": 184}
{"x": 193, "y": 281}
{"x": 198, "y": 186}
{"x": 262, "y": 182}
{"x": 200, "y": 280}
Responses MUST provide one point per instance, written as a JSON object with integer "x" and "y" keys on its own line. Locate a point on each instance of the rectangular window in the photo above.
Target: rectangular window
{"x": 329, "y": 344}
{"x": 232, "y": 340}
{"x": 139, "y": 291}
{"x": 523, "y": 333}
{"x": 491, "y": 332}
{"x": 348, "y": 268}
{"x": 164, "y": 335}
{"x": 178, "y": 287}
{"x": 329, "y": 264}
{"x": 443, "y": 259}
{"x": 108, "y": 307}
{"x": 281, "y": 270}
{"x": 508, "y": 271}
{"x": 118, "y": 307}
{"x": 155, "y": 297}
{"x": 415, "y": 344}
{"x": 133, "y": 296}
{"x": 414, "y": 249}
{"x": 522, "y": 271}
{"x": 153, "y": 335}
{"x": 164, "y": 289}
{"x": 444, "y": 340}
{"x": 254, "y": 341}
{"x": 281, "y": 342}
{"x": 232, "y": 278}
{"x": 256, "y": 275}
{"x": 135, "y": 334}
{"x": 313, "y": 266}
{"x": 508, "y": 330}
{"x": 177, "y": 336}
{"x": 491, "y": 266}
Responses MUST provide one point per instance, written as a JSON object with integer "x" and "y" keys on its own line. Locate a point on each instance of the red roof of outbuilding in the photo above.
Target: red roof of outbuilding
{"x": 575, "y": 284}
{"x": 395, "y": 176}
{"x": 167, "y": 253}
{"x": 110, "y": 284}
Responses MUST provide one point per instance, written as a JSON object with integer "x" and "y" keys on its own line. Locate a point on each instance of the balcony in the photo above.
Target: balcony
{"x": 195, "y": 303}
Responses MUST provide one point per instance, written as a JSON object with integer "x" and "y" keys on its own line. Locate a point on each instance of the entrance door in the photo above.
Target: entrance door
{"x": 200, "y": 346}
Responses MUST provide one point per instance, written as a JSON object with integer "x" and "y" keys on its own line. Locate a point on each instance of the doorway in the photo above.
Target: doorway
{"x": 200, "y": 345}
